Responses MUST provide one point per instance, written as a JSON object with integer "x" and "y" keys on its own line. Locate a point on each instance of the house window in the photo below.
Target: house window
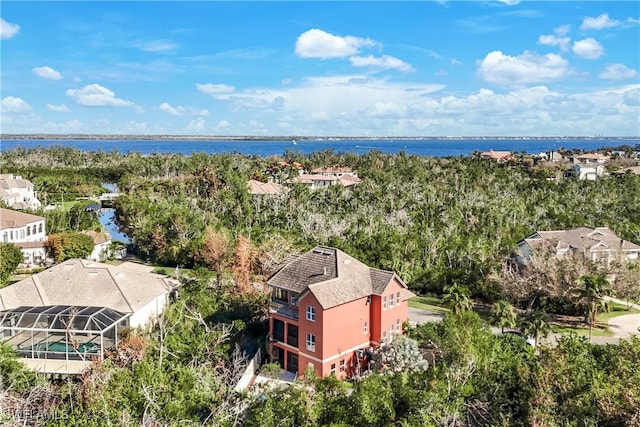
{"x": 280, "y": 294}
{"x": 384, "y": 302}
{"x": 311, "y": 313}
{"x": 366, "y": 327}
{"x": 294, "y": 300}
{"x": 384, "y": 335}
{"x": 398, "y": 298}
{"x": 333, "y": 369}
{"x": 311, "y": 342}
{"x": 5, "y": 237}
{"x": 40, "y": 228}
{"x": 28, "y": 231}
{"x": 342, "y": 365}
{"x": 34, "y": 229}
{"x": 398, "y": 325}
{"x": 391, "y": 301}
{"x": 391, "y": 331}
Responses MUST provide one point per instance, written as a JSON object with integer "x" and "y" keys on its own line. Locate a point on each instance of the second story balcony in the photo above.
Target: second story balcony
{"x": 284, "y": 309}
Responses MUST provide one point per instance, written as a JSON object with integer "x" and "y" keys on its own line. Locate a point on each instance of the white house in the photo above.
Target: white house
{"x": 18, "y": 193}
{"x": 588, "y": 171}
{"x": 80, "y": 283}
{"x": 101, "y": 245}
{"x": 26, "y": 231}
{"x": 327, "y": 176}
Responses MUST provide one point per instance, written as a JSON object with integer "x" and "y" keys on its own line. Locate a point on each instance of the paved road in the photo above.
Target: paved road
{"x": 419, "y": 316}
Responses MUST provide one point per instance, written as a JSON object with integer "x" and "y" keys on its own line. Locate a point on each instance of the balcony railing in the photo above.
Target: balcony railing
{"x": 284, "y": 309}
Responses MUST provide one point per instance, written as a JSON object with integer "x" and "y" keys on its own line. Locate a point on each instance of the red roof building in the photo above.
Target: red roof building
{"x": 329, "y": 310}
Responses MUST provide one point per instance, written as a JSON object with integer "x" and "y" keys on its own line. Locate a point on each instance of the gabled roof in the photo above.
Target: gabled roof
{"x": 79, "y": 282}
{"x": 9, "y": 181}
{"x": 14, "y": 219}
{"x": 332, "y": 276}
{"x": 582, "y": 239}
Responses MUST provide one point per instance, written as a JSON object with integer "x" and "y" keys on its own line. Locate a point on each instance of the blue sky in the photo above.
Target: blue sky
{"x": 420, "y": 68}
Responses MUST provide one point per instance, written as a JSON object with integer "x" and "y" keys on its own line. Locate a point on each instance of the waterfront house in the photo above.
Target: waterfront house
{"x": 498, "y": 156}
{"x": 26, "y": 231}
{"x": 257, "y": 188}
{"x": 101, "y": 245}
{"x": 329, "y": 310}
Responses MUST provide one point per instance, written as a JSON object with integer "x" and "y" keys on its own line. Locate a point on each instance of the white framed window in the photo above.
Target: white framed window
{"x": 342, "y": 365}
{"x": 365, "y": 328}
{"x": 391, "y": 331}
{"x": 333, "y": 369}
{"x": 398, "y": 325}
{"x": 398, "y": 298}
{"x": 311, "y": 342}
{"x": 311, "y": 313}
{"x": 384, "y": 302}
{"x": 391, "y": 301}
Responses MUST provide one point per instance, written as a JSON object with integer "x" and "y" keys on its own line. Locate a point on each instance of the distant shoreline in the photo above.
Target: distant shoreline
{"x": 297, "y": 138}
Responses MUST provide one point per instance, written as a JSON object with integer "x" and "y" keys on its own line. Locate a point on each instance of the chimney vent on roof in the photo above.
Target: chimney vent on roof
{"x": 347, "y": 261}
{"x": 324, "y": 271}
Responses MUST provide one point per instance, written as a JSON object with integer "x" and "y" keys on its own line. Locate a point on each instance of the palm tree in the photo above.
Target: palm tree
{"x": 503, "y": 314}
{"x": 594, "y": 288}
{"x": 536, "y": 324}
{"x": 457, "y": 297}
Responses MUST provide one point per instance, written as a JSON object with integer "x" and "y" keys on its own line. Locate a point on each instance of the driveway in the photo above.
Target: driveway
{"x": 419, "y": 316}
{"x": 625, "y": 326}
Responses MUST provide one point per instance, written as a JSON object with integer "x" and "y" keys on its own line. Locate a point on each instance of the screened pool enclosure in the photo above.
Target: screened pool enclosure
{"x": 62, "y": 332}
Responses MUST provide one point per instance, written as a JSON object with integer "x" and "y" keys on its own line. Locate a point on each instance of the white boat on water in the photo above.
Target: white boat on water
{"x": 293, "y": 142}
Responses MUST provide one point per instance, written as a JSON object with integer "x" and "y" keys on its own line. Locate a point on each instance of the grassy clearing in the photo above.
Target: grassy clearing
{"x": 600, "y": 330}
{"x": 428, "y": 303}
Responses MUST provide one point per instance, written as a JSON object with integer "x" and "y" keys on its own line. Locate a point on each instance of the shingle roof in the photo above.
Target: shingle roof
{"x": 332, "y": 276}
{"x": 583, "y": 238}
{"x": 87, "y": 283}
{"x": 13, "y": 219}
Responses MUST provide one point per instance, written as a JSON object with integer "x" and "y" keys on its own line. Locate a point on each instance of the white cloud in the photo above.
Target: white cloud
{"x": 588, "y": 48}
{"x": 562, "y": 30}
{"x": 602, "y": 21}
{"x": 384, "y": 61}
{"x": 12, "y": 104}
{"x": 156, "y": 46}
{"x": 8, "y": 30}
{"x": 58, "y": 108}
{"x": 551, "y": 40}
{"x": 47, "y": 72}
{"x": 94, "y": 95}
{"x": 316, "y": 43}
{"x": 618, "y": 72}
{"x": 215, "y": 89}
{"x": 529, "y": 67}
{"x": 195, "y": 125}
{"x": 182, "y": 111}
{"x": 509, "y": 2}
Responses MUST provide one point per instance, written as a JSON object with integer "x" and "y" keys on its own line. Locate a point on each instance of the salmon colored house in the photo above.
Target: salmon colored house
{"x": 328, "y": 310}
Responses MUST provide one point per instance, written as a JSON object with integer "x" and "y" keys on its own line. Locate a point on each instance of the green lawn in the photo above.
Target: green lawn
{"x": 428, "y": 303}
{"x": 600, "y": 330}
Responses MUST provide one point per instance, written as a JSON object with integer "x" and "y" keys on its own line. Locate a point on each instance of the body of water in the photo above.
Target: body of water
{"x": 106, "y": 218}
{"x": 437, "y": 147}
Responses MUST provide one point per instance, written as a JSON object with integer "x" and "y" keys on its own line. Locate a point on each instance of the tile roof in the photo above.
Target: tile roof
{"x": 332, "y": 169}
{"x": 13, "y": 219}
{"x": 8, "y": 181}
{"x": 87, "y": 283}
{"x": 260, "y": 188}
{"x": 332, "y": 276}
